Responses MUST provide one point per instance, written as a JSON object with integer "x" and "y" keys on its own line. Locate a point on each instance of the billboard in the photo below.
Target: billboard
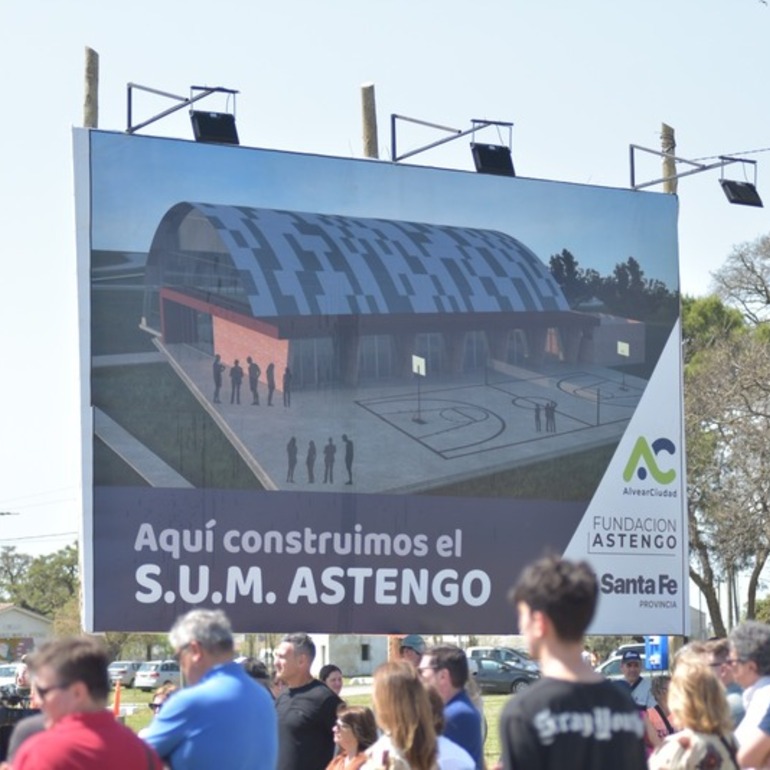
{"x": 353, "y": 396}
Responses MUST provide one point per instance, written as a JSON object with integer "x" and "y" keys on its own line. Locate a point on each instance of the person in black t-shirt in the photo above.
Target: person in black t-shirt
{"x": 307, "y": 708}
{"x": 573, "y": 717}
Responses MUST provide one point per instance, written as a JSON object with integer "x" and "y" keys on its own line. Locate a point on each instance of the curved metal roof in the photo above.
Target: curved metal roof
{"x": 298, "y": 264}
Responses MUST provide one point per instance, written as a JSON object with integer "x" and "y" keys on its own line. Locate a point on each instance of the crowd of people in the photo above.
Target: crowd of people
{"x": 711, "y": 713}
{"x": 253, "y": 374}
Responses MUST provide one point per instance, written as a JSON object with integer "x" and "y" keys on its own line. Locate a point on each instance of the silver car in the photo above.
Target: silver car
{"x": 123, "y": 671}
{"x": 154, "y": 673}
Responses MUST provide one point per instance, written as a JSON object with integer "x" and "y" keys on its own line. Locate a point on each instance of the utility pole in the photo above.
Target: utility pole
{"x": 668, "y": 145}
{"x": 91, "y": 102}
{"x": 369, "y": 113}
{"x": 371, "y": 150}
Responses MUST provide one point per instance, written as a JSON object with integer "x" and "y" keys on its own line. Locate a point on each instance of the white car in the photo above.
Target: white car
{"x": 123, "y": 671}
{"x": 611, "y": 668}
{"x": 154, "y": 673}
{"x": 8, "y": 676}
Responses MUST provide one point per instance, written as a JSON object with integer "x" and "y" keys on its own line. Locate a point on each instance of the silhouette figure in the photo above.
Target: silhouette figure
{"x": 270, "y": 375}
{"x": 236, "y": 378}
{"x": 348, "y": 457}
{"x": 254, "y": 372}
{"x": 330, "y": 449}
{"x": 217, "y": 368}
{"x": 287, "y": 386}
{"x": 291, "y": 453}
{"x": 538, "y": 424}
{"x": 310, "y": 461}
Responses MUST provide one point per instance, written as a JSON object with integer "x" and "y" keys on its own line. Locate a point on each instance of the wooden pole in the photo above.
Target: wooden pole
{"x": 91, "y": 103}
{"x": 369, "y": 113}
{"x": 668, "y": 145}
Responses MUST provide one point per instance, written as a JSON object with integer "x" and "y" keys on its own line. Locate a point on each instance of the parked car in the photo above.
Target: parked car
{"x": 635, "y": 646}
{"x": 502, "y": 677}
{"x": 154, "y": 673}
{"x": 123, "y": 671}
{"x": 8, "y": 677}
{"x": 505, "y": 654}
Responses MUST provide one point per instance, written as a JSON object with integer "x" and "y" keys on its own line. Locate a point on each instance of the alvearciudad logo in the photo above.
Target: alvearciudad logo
{"x": 643, "y": 459}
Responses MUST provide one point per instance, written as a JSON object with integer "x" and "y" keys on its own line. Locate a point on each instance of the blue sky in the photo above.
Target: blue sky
{"x": 581, "y": 81}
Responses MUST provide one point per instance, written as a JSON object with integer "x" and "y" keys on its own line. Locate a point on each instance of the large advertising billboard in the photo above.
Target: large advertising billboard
{"x": 353, "y": 396}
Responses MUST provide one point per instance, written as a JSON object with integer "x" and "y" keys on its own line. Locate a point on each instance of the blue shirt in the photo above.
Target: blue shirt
{"x": 226, "y": 720}
{"x": 462, "y": 725}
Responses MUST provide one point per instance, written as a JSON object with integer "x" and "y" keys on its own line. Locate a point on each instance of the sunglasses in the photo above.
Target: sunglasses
{"x": 154, "y": 706}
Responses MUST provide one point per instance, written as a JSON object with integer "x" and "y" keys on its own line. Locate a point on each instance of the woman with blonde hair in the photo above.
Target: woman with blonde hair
{"x": 404, "y": 715}
{"x": 698, "y": 706}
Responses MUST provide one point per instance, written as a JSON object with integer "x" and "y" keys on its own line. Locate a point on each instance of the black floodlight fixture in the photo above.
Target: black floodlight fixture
{"x": 207, "y": 126}
{"x": 488, "y": 158}
{"x": 492, "y": 159}
{"x": 741, "y": 193}
{"x": 216, "y": 127}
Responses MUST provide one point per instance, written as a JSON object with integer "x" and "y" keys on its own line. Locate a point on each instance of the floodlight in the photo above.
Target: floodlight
{"x": 493, "y": 159}
{"x": 217, "y": 127}
{"x": 741, "y": 193}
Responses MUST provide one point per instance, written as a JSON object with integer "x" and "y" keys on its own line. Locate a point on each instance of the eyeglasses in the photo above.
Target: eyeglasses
{"x": 154, "y": 706}
{"x": 178, "y": 654}
{"x": 340, "y": 725}
{"x": 735, "y": 661}
{"x": 43, "y": 691}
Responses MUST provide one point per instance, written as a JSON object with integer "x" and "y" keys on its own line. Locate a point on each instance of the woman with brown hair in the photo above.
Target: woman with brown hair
{"x": 404, "y": 714}
{"x": 354, "y": 732}
{"x": 698, "y": 706}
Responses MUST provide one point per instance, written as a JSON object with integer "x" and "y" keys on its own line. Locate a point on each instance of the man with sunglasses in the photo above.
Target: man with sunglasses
{"x": 71, "y": 686}
{"x": 223, "y": 718}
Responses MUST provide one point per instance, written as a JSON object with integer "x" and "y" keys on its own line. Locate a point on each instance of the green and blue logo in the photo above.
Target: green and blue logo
{"x": 643, "y": 459}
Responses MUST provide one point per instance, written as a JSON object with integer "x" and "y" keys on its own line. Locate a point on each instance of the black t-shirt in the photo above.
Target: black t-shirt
{"x": 581, "y": 726}
{"x": 306, "y": 716}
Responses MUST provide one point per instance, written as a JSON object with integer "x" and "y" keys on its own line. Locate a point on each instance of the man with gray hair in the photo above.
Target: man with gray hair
{"x": 223, "y": 718}
{"x": 307, "y": 708}
{"x": 750, "y": 662}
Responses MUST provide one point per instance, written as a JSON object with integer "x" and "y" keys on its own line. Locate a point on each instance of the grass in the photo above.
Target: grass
{"x": 493, "y": 705}
{"x": 571, "y": 477}
{"x": 153, "y": 404}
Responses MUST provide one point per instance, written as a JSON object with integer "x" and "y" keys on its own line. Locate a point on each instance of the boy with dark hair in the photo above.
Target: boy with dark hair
{"x": 572, "y": 717}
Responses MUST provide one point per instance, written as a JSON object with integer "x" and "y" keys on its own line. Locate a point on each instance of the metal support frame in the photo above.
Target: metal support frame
{"x": 724, "y": 160}
{"x": 184, "y": 101}
{"x": 476, "y": 125}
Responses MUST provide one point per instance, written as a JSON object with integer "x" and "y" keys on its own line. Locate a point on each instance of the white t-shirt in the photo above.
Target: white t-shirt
{"x": 451, "y": 756}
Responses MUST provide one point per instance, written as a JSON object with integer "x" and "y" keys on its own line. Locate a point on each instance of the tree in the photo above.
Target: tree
{"x": 47, "y": 583}
{"x": 727, "y": 418}
{"x": 13, "y": 569}
{"x": 744, "y": 280}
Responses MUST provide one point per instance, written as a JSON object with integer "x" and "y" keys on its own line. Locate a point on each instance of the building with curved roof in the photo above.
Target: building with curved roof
{"x": 339, "y": 297}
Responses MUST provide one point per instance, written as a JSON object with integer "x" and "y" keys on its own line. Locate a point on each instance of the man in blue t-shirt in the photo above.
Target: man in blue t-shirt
{"x": 224, "y": 718}
{"x": 446, "y": 669}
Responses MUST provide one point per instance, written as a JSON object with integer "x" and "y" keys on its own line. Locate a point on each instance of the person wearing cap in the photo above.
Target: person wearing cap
{"x": 638, "y": 686}
{"x": 412, "y": 649}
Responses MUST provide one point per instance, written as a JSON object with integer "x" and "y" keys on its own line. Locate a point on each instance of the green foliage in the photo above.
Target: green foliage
{"x": 705, "y": 322}
{"x": 44, "y": 584}
{"x": 762, "y": 610}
